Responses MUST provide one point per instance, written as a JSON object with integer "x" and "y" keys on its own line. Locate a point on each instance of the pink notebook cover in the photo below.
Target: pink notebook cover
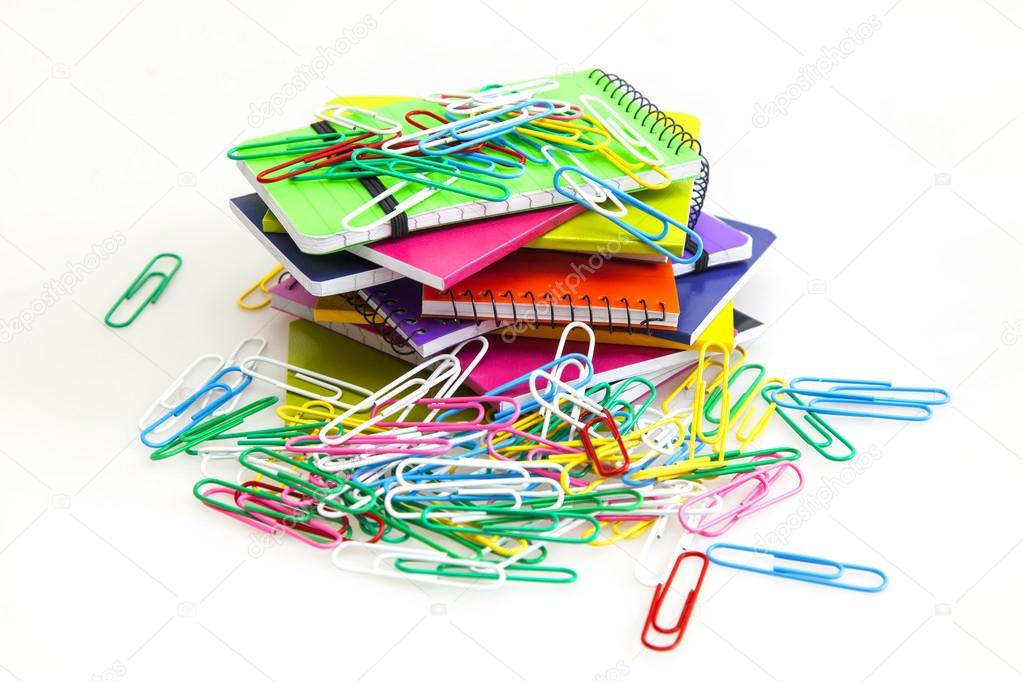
{"x": 442, "y": 257}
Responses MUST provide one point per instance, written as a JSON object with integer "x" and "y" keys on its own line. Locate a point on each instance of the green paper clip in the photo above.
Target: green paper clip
{"x": 147, "y": 273}
{"x": 288, "y": 146}
{"x": 416, "y": 169}
{"x": 829, "y": 436}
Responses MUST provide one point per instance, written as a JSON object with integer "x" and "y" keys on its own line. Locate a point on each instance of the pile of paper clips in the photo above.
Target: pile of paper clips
{"x": 482, "y": 140}
{"x": 415, "y": 482}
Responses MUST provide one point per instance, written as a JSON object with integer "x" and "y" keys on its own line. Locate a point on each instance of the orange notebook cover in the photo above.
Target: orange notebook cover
{"x": 544, "y": 286}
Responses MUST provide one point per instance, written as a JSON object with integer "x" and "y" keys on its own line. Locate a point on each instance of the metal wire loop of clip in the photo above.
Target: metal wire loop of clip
{"x": 642, "y": 110}
{"x": 481, "y": 300}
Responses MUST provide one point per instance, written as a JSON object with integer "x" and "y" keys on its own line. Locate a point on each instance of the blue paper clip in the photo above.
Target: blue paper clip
{"x": 900, "y": 411}
{"x": 831, "y": 578}
{"x": 650, "y": 240}
{"x": 856, "y": 392}
{"x": 181, "y": 408}
{"x": 525, "y": 146}
{"x": 471, "y": 131}
{"x": 205, "y": 410}
{"x": 862, "y": 389}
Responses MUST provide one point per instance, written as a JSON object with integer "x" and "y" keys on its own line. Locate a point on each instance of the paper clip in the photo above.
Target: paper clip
{"x": 757, "y": 497}
{"x": 831, "y": 574}
{"x": 620, "y": 129}
{"x": 336, "y": 387}
{"x": 182, "y": 408}
{"x": 828, "y": 436}
{"x": 678, "y": 629}
{"x": 399, "y": 394}
{"x": 620, "y": 199}
{"x": 717, "y": 439}
{"x": 178, "y": 383}
{"x": 603, "y": 469}
{"x": 363, "y": 119}
{"x": 471, "y": 131}
{"x": 288, "y": 146}
{"x": 262, "y": 286}
{"x": 484, "y": 575}
{"x": 147, "y": 274}
{"x": 592, "y": 192}
{"x": 348, "y": 222}
{"x": 416, "y": 169}
{"x": 469, "y": 104}
{"x": 576, "y": 134}
{"x": 855, "y": 392}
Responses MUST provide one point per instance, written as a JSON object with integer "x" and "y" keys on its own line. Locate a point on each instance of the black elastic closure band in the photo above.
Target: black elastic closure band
{"x": 703, "y": 262}
{"x": 373, "y": 185}
{"x": 323, "y": 128}
{"x": 399, "y": 223}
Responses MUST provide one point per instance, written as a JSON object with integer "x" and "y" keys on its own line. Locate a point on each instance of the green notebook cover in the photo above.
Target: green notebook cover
{"x": 317, "y": 348}
{"x": 312, "y": 212}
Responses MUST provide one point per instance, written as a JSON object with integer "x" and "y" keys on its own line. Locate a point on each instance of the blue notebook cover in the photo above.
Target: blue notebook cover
{"x": 701, "y": 296}
{"x": 323, "y": 275}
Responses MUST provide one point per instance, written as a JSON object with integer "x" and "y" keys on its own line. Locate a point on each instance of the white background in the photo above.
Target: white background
{"x": 893, "y": 186}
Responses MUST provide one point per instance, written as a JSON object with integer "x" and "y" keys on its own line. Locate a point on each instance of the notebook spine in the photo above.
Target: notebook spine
{"x": 385, "y": 324}
{"x": 528, "y": 312}
{"x": 653, "y": 118}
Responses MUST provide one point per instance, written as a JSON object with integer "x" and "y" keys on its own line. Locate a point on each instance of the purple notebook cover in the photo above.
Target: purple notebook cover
{"x": 399, "y": 304}
{"x": 702, "y": 295}
{"x": 717, "y": 235}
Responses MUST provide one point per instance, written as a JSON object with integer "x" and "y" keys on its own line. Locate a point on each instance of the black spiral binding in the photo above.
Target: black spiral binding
{"x": 387, "y": 326}
{"x": 656, "y": 121}
{"x": 486, "y": 299}
{"x": 373, "y": 185}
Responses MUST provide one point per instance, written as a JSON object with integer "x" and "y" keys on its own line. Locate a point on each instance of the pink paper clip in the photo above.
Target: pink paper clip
{"x": 371, "y": 444}
{"x": 457, "y": 404}
{"x": 305, "y": 531}
{"x": 757, "y": 497}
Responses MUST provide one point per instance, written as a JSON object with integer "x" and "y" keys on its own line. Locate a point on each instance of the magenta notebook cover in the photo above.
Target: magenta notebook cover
{"x": 506, "y": 361}
{"x": 291, "y": 290}
{"x": 442, "y": 257}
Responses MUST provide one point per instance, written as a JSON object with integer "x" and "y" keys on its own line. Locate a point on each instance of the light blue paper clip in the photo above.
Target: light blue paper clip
{"x": 667, "y": 222}
{"x": 209, "y": 406}
{"x": 830, "y": 578}
{"x": 470, "y": 132}
{"x": 852, "y": 392}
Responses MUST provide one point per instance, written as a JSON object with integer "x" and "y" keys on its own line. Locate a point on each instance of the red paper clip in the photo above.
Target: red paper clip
{"x": 660, "y": 592}
{"x": 321, "y": 158}
{"x": 602, "y": 467}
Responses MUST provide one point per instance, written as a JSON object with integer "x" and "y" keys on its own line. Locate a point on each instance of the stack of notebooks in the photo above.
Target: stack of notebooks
{"x": 402, "y": 262}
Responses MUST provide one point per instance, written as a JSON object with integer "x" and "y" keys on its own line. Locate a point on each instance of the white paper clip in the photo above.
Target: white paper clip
{"x": 337, "y": 387}
{"x": 375, "y": 559}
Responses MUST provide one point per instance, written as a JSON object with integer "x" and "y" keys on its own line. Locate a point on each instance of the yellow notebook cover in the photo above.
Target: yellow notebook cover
{"x": 336, "y": 309}
{"x": 721, "y": 330}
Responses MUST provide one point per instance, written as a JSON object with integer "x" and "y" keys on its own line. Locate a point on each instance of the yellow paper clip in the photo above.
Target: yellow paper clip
{"x": 263, "y": 286}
